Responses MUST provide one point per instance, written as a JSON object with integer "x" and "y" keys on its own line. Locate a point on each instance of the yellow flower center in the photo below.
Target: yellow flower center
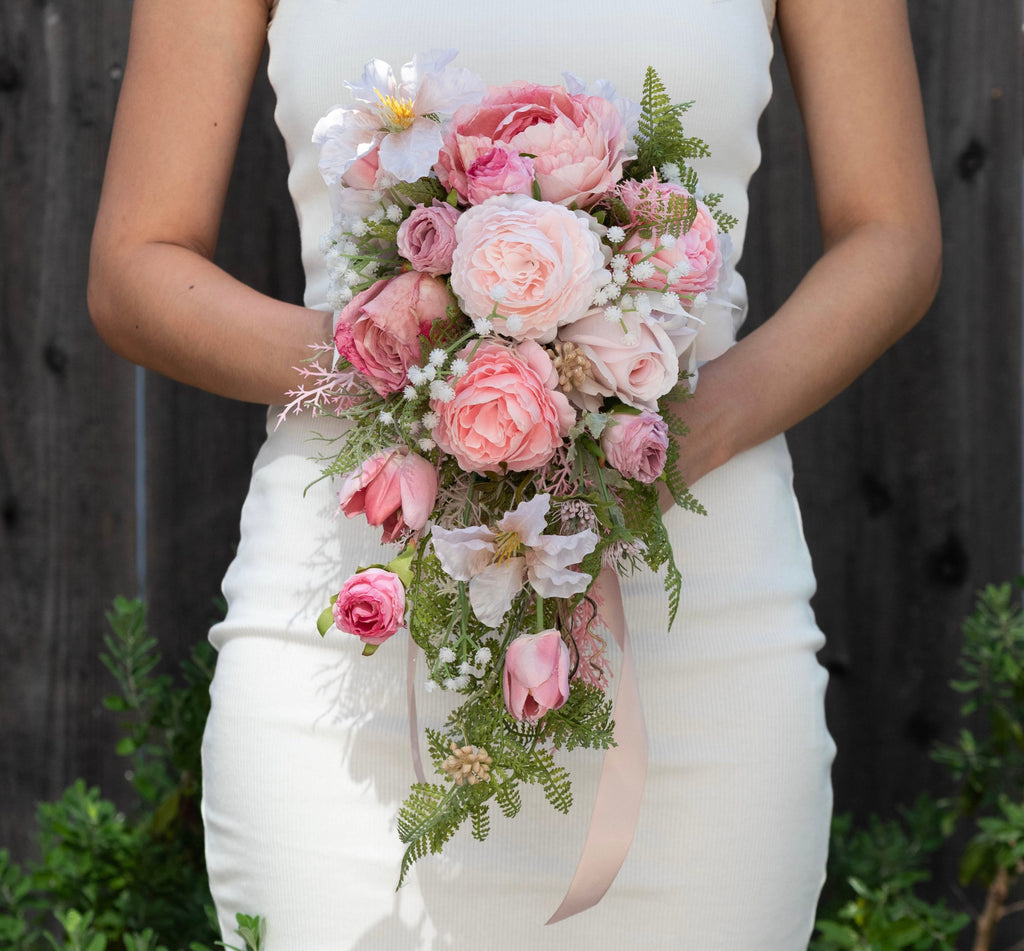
{"x": 396, "y": 114}
{"x": 506, "y": 545}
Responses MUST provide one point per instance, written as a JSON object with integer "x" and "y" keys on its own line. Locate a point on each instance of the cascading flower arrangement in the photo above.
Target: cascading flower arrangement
{"x": 519, "y": 274}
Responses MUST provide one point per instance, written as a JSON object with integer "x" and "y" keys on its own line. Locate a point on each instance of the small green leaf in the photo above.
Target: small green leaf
{"x": 326, "y": 621}
{"x": 370, "y": 649}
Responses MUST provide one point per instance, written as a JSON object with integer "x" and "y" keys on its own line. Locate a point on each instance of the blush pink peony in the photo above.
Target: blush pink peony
{"x": 638, "y": 365}
{"x": 426, "y": 239}
{"x": 578, "y": 142}
{"x": 370, "y": 605}
{"x": 539, "y": 260}
{"x": 694, "y": 261}
{"x": 536, "y": 675}
{"x": 395, "y": 489}
{"x": 636, "y": 445}
{"x": 506, "y": 412}
{"x": 379, "y": 330}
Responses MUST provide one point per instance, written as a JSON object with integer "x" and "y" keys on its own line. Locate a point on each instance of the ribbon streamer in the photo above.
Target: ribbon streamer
{"x": 620, "y": 791}
{"x": 414, "y": 727}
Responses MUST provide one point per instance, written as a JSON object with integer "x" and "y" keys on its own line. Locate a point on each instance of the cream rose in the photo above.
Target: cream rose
{"x": 540, "y": 262}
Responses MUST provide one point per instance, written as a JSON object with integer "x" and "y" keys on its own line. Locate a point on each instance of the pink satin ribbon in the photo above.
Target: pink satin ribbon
{"x": 620, "y": 790}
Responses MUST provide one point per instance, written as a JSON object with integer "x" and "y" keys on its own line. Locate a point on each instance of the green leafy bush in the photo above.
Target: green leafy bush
{"x": 875, "y": 902}
{"x": 136, "y": 882}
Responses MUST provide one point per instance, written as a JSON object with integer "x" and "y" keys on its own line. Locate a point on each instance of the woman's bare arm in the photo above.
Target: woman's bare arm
{"x": 853, "y": 72}
{"x": 154, "y": 294}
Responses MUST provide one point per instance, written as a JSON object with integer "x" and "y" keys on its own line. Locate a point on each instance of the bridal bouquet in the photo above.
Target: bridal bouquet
{"x": 519, "y": 275}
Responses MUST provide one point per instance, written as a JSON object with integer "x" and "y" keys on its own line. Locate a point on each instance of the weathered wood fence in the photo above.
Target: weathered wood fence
{"x": 910, "y": 481}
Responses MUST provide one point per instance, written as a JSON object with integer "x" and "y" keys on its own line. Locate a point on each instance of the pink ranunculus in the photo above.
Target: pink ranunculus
{"x": 544, "y": 259}
{"x": 637, "y": 366}
{"x": 536, "y": 675}
{"x": 498, "y": 172}
{"x": 636, "y": 446}
{"x": 426, "y": 239}
{"x": 395, "y": 489}
{"x": 578, "y": 141}
{"x": 506, "y": 411}
{"x": 370, "y": 605}
{"x": 696, "y": 254}
{"x": 378, "y": 331}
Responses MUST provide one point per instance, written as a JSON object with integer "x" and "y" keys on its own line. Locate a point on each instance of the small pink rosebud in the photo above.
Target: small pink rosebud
{"x": 636, "y": 445}
{"x": 536, "y": 676}
{"x": 370, "y": 605}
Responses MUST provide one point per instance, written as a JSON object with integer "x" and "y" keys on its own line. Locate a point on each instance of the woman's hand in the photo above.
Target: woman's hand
{"x": 154, "y": 295}
{"x": 853, "y": 72}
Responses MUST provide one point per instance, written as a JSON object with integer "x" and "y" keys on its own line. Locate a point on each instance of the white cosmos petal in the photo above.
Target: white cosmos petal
{"x": 554, "y": 582}
{"x": 376, "y": 75}
{"x": 560, "y": 551}
{"x": 463, "y": 552}
{"x": 528, "y": 519}
{"x": 443, "y": 92}
{"x": 492, "y": 590}
{"x": 422, "y": 65}
{"x": 411, "y": 154}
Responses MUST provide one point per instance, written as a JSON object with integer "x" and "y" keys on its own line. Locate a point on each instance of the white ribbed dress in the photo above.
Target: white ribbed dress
{"x": 306, "y": 753}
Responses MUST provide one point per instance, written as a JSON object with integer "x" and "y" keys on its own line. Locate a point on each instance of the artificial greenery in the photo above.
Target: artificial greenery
{"x": 109, "y": 880}
{"x": 878, "y": 898}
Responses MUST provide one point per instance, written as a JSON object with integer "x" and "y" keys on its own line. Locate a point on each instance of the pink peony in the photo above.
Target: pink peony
{"x": 378, "y": 331}
{"x": 636, "y": 446}
{"x": 426, "y": 239}
{"x": 695, "y": 258}
{"x": 536, "y": 675}
{"x": 638, "y": 367}
{"x": 506, "y": 411}
{"x": 540, "y": 259}
{"x": 498, "y": 172}
{"x": 395, "y": 489}
{"x": 370, "y": 605}
{"x": 578, "y": 141}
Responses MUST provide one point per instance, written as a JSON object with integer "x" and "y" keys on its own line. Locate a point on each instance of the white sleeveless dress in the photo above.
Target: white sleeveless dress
{"x": 306, "y": 753}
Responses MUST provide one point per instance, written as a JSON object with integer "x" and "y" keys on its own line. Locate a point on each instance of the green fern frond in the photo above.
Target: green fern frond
{"x": 481, "y": 822}
{"x": 509, "y": 800}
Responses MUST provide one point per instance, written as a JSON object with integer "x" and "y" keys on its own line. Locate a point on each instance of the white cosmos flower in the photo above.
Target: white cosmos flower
{"x": 494, "y": 562}
{"x": 396, "y": 116}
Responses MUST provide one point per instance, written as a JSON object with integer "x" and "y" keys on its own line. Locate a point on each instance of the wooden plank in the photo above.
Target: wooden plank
{"x": 67, "y": 534}
{"x": 910, "y": 481}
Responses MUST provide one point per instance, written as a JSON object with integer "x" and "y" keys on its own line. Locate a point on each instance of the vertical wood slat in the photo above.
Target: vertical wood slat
{"x": 910, "y": 481}
{"x": 66, "y": 540}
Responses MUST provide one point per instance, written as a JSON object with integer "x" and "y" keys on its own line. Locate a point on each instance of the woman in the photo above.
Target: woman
{"x": 306, "y": 753}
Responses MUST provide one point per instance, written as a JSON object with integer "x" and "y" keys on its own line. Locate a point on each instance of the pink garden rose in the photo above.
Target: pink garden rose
{"x": 426, "y": 239}
{"x": 395, "y": 489}
{"x": 506, "y": 411}
{"x": 636, "y": 446}
{"x": 536, "y": 675}
{"x": 543, "y": 258}
{"x": 578, "y": 141}
{"x": 370, "y": 605}
{"x": 378, "y": 331}
{"x": 637, "y": 366}
{"x": 498, "y": 172}
{"x": 696, "y": 255}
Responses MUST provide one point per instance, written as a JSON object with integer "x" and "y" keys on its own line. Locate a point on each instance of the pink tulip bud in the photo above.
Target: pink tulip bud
{"x": 536, "y": 677}
{"x": 395, "y": 489}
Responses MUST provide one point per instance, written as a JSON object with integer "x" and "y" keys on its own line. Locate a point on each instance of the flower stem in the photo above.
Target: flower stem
{"x": 540, "y": 614}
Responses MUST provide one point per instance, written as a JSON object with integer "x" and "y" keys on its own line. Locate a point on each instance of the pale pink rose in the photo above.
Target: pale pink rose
{"x": 506, "y": 411}
{"x": 698, "y": 252}
{"x": 637, "y": 366}
{"x": 542, "y": 260}
{"x": 379, "y": 330}
{"x": 536, "y": 675}
{"x": 426, "y": 239}
{"x": 578, "y": 141}
{"x": 498, "y": 172}
{"x": 636, "y": 446}
{"x": 395, "y": 489}
{"x": 370, "y": 605}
